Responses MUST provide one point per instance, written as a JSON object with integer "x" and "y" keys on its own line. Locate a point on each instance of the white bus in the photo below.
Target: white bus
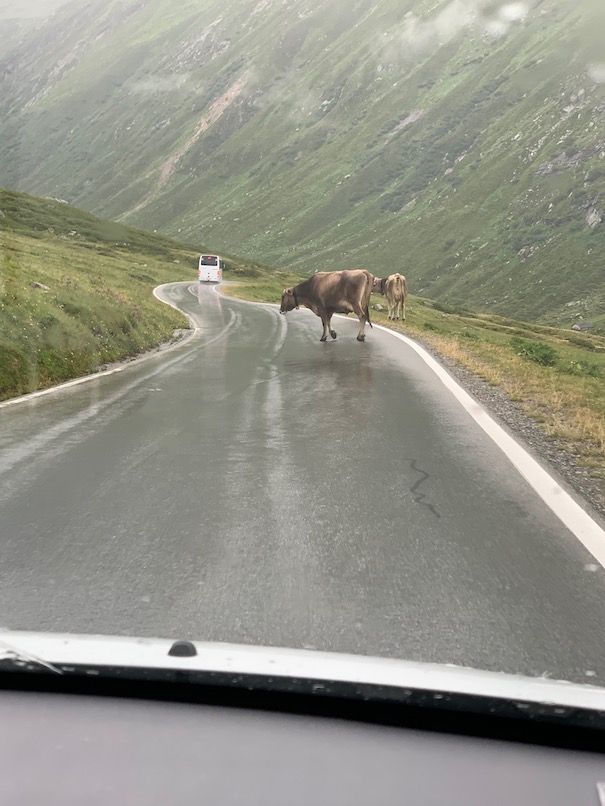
{"x": 210, "y": 269}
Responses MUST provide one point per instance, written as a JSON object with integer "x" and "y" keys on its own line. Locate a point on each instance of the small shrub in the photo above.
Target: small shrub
{"x": 537, "y": 351}
{"x": 429, "y": 326}
{"x": 581, "y": 368}
{"x": 445, "y": 308}
{"x": 72, "y": 309}
{"x": 580, "y": 342}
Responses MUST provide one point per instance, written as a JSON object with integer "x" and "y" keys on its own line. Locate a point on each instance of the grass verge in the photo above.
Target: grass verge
{"x": 90, "y": 309}
{"x": 76, "y": 291}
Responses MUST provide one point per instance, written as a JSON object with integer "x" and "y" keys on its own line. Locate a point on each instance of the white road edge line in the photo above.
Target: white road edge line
{"x": 103, "y": 373}
{"x": 558, "y": 500}
{"x": 194, "y": 327}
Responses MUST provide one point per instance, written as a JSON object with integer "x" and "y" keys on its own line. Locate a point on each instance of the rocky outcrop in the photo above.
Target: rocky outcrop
{"x": 594, "y": 217}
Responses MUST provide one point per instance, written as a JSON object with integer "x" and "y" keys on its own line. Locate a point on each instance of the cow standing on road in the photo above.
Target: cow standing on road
{"x": 330, "y": 292}
{"x": 395, "y": 289}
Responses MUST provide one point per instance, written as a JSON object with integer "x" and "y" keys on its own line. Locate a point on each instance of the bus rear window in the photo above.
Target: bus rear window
{"x": 208, "y": 260}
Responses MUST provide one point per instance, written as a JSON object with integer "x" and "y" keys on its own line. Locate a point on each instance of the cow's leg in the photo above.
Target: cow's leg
{"x": 403, "y": 309}
{"x": 391, "y": 310}
{"x": 332, "y": 332}
{"x": 362, "y": 323}
{"x": 325, "y": 320}
{"x": 398, "y": 309}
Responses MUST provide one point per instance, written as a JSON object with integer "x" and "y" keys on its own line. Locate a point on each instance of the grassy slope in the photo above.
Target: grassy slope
{"x": 567, "y": 398}
{"x": 99, "y": 306}
{"x": 313, "y": 166}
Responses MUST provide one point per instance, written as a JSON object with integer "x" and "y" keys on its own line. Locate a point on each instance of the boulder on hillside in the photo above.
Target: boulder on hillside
{"x": 594, "y": 218}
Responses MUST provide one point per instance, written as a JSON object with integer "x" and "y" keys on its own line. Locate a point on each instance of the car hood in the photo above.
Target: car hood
{"x": 278, "y": 668}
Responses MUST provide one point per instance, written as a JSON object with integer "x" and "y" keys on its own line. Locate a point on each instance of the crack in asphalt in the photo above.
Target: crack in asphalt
{"x": 418, "y": 496}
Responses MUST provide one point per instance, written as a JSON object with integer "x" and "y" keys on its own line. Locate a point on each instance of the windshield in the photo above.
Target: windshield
{"x": 378, "y": 428}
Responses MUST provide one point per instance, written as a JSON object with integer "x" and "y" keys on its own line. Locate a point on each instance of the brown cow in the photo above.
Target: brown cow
{"x": 395, "y": 289}
{"x": 330, "y": 292}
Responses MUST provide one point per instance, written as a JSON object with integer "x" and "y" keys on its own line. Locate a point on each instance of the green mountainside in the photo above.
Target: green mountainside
{"x": 459, "y": 141}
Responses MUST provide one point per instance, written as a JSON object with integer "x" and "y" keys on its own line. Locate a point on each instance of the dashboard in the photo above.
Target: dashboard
{"x": 62, "y": 748}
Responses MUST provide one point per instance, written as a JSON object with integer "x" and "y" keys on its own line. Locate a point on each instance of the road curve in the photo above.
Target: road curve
{"x": 253, "y": 485}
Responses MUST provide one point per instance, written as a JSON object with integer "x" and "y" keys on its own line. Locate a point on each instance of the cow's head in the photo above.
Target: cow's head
{"x": 378, "y": 285}
{"x": 288, "y": 300}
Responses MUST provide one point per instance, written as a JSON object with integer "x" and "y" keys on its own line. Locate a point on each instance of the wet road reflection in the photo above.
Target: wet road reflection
{"x": 255, "y": 485}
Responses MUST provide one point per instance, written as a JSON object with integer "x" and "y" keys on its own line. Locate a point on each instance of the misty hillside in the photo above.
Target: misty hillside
{"x": 19, "y": 17}
{"x": 459, "y": 141}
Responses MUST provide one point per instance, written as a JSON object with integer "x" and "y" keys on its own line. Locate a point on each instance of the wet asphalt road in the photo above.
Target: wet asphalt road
{"x": 253, "y": 485}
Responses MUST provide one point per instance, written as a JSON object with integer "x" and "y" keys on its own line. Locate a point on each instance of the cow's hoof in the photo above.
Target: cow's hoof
{"x": 361, "y": 338}
{"x": 323, "y": 338}
{"x": 333, "y": 334}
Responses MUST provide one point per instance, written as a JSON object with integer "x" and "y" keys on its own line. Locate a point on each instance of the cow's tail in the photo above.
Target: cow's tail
{"x": 369, "y": 285}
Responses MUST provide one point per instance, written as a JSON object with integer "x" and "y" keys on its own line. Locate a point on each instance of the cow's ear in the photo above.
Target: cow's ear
{"x": 288, "y": 291}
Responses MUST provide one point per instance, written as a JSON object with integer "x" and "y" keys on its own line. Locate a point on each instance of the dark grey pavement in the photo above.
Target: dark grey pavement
{"x": 253, "y": 485}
